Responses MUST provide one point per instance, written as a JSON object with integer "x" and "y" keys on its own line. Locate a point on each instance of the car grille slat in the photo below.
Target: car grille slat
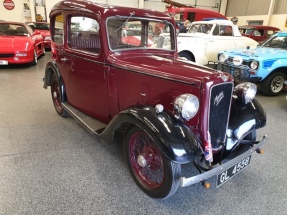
{"x": 6, "y": 55}
{"x": 219, "y": 110}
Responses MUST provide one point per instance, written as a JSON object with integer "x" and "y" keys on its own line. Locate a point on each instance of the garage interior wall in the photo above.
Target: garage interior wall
{"x": 271, "y": 12}
{"x": 17, "y": 14}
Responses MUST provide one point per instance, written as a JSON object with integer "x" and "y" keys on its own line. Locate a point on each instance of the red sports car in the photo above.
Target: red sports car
{"x": 19, "y": 44}
{"x": 44, "y": 29}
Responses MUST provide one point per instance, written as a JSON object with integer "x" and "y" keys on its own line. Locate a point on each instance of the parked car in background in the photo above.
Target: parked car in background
{"x": 206, "y": 38}
{"x": 169, "y": 111}
{"x": 44, "y": 29}
{"x": 265, "y": 65}
{"x": 19, "y": 44}
{"x": 258, "y": 32}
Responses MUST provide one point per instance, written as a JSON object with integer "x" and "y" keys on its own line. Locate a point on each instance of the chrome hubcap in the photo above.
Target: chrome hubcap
{"x": 141, "y": 161}
{"x": 55, "y": 95}
{"x": 277, "y": 84}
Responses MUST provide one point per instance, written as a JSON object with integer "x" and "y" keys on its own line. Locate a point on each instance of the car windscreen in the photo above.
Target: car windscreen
{"x": 276, "y": 42}
{"x": 139, "y": 33}
{"x": 39, "y": 26}
{"x": 13, "y": 29}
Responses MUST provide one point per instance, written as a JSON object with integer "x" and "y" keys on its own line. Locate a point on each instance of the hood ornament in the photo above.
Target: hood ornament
{"x": 223, "y": 76}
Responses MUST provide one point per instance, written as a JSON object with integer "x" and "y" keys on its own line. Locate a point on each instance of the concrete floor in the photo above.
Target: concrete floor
{"x": 51, "y": 165}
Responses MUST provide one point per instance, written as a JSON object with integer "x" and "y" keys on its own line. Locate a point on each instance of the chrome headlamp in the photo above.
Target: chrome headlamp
{"x": 187, "y": 105}
{"x": 254, "y": 64}
{"x": 246, "y": 91}
{"x": 222, "y": 57}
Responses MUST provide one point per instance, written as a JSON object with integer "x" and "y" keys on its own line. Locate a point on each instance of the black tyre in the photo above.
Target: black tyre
{"x": 156, "y": 175}
{"x": 273, "y": 84}
{"x": 57, "y": 95}
{"x": 186, "y": 55}
{"x": 35, "y": 59}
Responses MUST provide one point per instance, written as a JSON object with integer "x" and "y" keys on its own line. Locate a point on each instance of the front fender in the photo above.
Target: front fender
{"x": 175, "y": 140}
{"x": 245, "y": 117}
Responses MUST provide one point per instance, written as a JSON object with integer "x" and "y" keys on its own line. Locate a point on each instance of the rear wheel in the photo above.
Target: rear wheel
{"x": 156, "y": 175}
{"x": 57, "y": 95}
{"x": 273, "y": 84}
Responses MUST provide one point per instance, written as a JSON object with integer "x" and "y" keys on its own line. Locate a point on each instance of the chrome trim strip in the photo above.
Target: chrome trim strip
{"x": 184, "y": 182}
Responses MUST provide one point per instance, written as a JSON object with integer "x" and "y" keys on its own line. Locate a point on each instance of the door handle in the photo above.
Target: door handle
{"x": 64, "y": 59}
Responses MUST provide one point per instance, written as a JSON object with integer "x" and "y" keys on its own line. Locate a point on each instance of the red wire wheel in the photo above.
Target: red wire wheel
{"x": 56, "y": 95}
{"x": 156, "y": 175}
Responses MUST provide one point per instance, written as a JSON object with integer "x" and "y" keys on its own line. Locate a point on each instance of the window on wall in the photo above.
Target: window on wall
{"x": 83, "y": 34}
{"x": 255, "y": 22}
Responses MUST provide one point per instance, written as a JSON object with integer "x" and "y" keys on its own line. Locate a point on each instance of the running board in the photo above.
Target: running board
{"x": 92, "y": 125}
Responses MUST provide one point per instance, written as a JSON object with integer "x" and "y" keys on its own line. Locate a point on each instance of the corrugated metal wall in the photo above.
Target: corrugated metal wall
{"x": 280, "y": 7}
{"x": 247, "y": 7}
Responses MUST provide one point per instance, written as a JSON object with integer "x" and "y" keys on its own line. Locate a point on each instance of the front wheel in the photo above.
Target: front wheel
{"x": 57, "y": 95}
{"x": 35, "y": 59}
{"x": 186, "y": 55}
{"x": 273, "y": 84}
{"x": 156, "y": 175}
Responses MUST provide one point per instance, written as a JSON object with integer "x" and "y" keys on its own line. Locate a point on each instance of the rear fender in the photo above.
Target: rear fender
{"x": 176, "y": 141}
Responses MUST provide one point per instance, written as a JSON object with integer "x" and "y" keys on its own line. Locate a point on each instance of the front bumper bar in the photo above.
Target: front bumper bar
{"x": 184, "y": 182}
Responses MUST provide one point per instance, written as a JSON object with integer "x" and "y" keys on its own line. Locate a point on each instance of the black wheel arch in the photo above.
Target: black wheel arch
{"x": 52, "y": 68}
{"x": 177, "y": 142}
{"x": 188, "y": 53}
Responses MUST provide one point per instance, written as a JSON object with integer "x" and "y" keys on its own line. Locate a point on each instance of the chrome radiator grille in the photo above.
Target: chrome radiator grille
{"x": 219, "y": 110}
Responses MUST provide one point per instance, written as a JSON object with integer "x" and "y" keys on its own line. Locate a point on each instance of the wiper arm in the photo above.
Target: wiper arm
{"x": 131, "y": 14}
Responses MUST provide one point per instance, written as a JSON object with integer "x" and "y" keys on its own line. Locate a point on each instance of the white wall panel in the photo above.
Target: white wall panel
{"x": 280, "y": 7}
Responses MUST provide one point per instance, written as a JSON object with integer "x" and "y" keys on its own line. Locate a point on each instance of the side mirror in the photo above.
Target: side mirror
{"x": 36, "y": 32}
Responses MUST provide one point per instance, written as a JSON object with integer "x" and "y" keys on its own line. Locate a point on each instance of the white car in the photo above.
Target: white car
{"x": 206, "y": 38}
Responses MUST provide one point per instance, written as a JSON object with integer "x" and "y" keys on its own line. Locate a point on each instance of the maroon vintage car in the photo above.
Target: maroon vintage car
{"x": 19, "y": 44}
{"x": 258, "y": 32}
{"x": 44, "y": 29}
{"x": 169, "y": 111}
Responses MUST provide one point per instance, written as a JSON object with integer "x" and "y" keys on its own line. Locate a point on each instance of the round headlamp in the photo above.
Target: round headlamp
{"x": 186, "y": 105}
{"x": 254, "y": 64}
{"x": 222, "y": 57}
{"x": 246, "y": 91}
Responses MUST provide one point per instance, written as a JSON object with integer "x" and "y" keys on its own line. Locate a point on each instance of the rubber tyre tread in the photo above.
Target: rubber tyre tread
{"x": 62, "y": 113}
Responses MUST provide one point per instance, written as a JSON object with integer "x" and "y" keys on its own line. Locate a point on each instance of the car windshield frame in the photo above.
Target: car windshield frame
{"x": 119, "y": 35}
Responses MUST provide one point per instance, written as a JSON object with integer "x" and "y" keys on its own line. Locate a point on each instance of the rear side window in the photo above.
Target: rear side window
{"x": 58, "y": 29}
{"x": 83, "y": 34}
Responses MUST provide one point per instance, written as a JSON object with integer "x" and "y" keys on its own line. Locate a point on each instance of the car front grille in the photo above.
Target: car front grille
{"x": 219, "y": 110}
{"x": 7, "y": 55}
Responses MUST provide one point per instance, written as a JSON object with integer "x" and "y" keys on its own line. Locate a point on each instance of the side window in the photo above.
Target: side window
{"x": 83, "y": 34}
{"x": 58, "y": 29}
{"x": 191, "y": 17}
{"x": 256, "y": 33}
{"x": 269, "y": 33}
{"x": 223, "y": 30}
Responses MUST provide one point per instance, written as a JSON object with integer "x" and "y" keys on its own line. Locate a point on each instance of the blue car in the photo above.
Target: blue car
{"x": 265, "y": 65}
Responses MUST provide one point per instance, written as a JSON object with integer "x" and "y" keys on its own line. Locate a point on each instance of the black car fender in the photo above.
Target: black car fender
{"x": 241, "y": 114}
{"x": 175, "y": 139}
{"x": 52, "y": 68}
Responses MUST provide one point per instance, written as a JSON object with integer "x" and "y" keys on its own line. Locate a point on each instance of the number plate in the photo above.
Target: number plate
{"x": 232, "y": 171}
{"x": 3, "y": 62}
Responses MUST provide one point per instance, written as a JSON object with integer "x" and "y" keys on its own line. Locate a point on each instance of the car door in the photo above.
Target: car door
{"x": 219, "y": 40}
{"x": 85, "y": 77}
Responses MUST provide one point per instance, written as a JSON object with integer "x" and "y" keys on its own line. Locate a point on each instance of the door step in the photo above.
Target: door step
{"x": 91, "y": 124}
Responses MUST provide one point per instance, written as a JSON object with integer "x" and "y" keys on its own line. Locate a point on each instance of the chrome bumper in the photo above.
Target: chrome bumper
{"x": 184, "y": 182}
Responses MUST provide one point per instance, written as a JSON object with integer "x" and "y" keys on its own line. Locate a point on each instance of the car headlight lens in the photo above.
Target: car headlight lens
{"x": 246, "y": 91}
{"x": 254, "y": 64}
{"x": 47, "y": 38}
{"x": 222, "y": 57}
{"x": 187, "y": 105}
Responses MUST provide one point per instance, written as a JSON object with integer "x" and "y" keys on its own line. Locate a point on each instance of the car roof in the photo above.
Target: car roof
{"x": 216, "y": 21}
{"x": 282, "y": 33}
{"x": 15, "y": 23}
{"x": 105, "y": 10}
{"x": 259, "y": 27}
